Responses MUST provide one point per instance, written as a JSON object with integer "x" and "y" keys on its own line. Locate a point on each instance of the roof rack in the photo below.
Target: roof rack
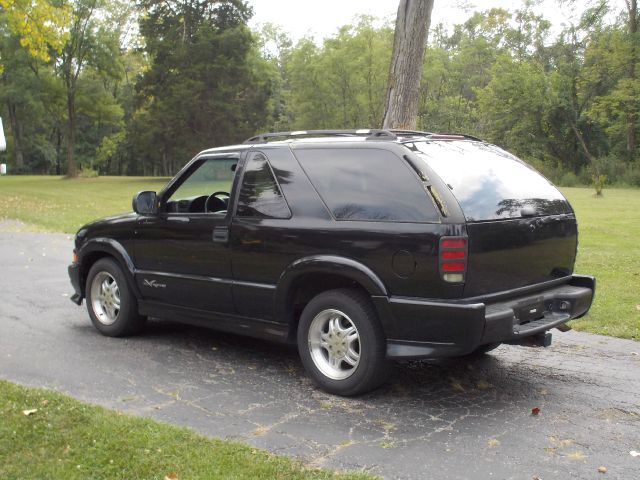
{"x": 410, "y": 133}
{"x": 370, "y": 134}
{"x": 435, "y": 136}
{"x": 454, "y": 136}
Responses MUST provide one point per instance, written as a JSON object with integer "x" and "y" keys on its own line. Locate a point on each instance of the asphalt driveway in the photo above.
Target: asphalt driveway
{"x": 454, "y": 419}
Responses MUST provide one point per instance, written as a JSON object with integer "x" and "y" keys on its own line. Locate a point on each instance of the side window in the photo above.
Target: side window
{"x": 213, "y": 175}
{"x": 367, "y": 184}
{"x": 260, "y": 195}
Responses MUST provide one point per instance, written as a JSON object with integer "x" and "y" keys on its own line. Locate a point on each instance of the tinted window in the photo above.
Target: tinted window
{"x": 367, "y": 184}
{"x": 490, "y": 183}
{"x": 260, "y": 195}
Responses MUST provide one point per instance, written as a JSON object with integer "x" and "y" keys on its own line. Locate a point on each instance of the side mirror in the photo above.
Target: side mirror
{"x": 145, "y": 203}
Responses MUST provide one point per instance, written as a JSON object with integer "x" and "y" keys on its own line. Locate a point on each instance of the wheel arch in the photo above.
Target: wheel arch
{"x": 98, "y": 248}
{"x": 307, "y": 277}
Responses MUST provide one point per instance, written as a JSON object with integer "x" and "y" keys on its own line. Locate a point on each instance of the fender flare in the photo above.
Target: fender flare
{"x": 331, "y": 264}
{"x": 114, "y": 249}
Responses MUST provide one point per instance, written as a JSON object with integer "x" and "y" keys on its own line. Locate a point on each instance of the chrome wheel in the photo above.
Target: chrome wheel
{"x": 334, "y": 344}
{"x": 105, "y": 298}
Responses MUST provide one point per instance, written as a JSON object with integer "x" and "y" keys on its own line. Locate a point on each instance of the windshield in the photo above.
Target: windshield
{"x": 490, "y": 183}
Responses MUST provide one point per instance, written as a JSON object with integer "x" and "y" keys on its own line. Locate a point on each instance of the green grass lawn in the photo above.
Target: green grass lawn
{"x": 609, "y": 248}
{"x": 609, "y": 232}
{"x": 59, "y": 204}
{"x": 67, "y": 439}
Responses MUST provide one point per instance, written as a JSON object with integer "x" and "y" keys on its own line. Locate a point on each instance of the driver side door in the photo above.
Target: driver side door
{"x": 181, "y": 253}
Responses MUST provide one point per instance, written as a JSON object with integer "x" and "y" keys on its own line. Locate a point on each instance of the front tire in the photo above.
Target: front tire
{"x": 112, "y": 306}
{"x": 341, "y": 343}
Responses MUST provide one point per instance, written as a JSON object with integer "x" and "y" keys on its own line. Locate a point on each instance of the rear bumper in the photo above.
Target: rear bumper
{"x": 74, "y": 276}
{"x": 418, "y": 328}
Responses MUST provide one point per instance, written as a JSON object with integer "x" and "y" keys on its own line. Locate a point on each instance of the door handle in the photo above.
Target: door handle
{"x": 221, "y": 234}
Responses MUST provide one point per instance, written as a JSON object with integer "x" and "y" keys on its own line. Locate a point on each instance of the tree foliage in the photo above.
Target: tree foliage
{"x": 39, "y": 24}
{"x": 205, "y": 86}
{"x": 139, "y": 88}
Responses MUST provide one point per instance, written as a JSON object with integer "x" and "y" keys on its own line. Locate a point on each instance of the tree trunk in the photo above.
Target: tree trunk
{"x": 409, "y": 45}
{"x": 598, "y": 179}
{"x": 16, "y": 133}
{"x": 632, "y": 116}
{"x": 72, "y": 169}
{"x": 58, "y": 150}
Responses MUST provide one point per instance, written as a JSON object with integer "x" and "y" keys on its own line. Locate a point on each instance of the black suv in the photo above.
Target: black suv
{"x": 359, "y": 246}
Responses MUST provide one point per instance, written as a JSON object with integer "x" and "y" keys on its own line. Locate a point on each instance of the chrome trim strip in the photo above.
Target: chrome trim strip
{"x": 202, "y": 278}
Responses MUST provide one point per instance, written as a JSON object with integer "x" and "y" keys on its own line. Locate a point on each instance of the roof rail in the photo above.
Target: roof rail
{"x": 435, "y": 136}
{"x": 410, "y": 133}
{"x": 370, "y": 134}
{"x": 454, "y": 136}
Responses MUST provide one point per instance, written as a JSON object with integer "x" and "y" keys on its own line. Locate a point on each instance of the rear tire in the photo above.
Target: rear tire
{"x": 341, "y": 343}
{"x": 112, "y": 306}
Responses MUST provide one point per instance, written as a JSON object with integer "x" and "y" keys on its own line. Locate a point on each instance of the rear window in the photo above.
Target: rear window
{"x": 367, "y": 184}
{"x": 490, "y": 183}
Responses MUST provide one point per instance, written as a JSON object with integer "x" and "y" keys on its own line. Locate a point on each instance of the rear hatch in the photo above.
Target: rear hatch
{"x": 521, "y": 229}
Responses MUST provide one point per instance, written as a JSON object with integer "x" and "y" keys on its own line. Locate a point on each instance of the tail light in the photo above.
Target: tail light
{"x": 453, "y": 259}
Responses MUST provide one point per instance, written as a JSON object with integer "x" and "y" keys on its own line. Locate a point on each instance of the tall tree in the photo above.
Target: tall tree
{"x": 632, "y": 115}
{"x": 74, "y": 55}
{"x": 206, "y": 85}
{"x": 410, "y": 42}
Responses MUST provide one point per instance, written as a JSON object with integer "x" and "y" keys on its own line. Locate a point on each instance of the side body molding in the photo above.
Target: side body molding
{"x": 323, "y": 264}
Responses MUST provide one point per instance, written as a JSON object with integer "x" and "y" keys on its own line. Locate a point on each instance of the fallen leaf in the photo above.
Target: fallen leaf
{"x": 602, "y": 469}
{"x": 456, "y": 385}
{"x": 29, "y": 412}
{"x": 171, "y": 476}
{"x": 576, "y": 456}
{"x": 638, "y": 307}
{"x": 493, "y": 442}
{"x": 535, "y": 477}
{"x": 535, "y": 411}
{"x": 633, "y": 453}
{"x": 483, "y": 385}
{"x": 44, "y": 403}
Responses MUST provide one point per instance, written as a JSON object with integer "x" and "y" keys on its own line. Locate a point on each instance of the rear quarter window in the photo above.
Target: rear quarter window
{"x": 260, "y": 195}
{"x": 367, "y": 184}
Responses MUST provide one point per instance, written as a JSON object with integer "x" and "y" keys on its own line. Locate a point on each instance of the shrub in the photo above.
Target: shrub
{"x": 87, "y": 172}
{"x": 568, "y": 179}
{"x": 598, "y": 183}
